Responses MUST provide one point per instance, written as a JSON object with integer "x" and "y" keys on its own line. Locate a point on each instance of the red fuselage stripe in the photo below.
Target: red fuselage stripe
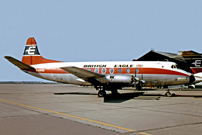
{"x": 124, "y": 71}
{"x": 196, "y": 69}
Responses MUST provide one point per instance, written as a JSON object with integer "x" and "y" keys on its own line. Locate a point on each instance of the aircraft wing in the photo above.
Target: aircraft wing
{"x": 82, "y": 73}
{"x": 18, "y": 63}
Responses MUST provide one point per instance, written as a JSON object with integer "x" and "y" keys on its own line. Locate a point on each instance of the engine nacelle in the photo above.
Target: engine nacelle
{"x": 128, "y": 79}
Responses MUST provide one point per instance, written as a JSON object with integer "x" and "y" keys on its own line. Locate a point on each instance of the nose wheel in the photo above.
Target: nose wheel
{"x": 168, "y": 94}
{"x": 101, "y": 93}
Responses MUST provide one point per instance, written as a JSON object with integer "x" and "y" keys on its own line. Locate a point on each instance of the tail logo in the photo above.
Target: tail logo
{"x": 31, "y": 50}
{"x": 197, "y": 63}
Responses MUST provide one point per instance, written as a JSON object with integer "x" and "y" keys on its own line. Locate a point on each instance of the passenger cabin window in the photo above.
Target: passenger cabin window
{"x": 103, "y": 70}
{"x": 111, "y": 70}
{"x": 96, "y": 70}
{"x": 128, "y": 70}
{"x": 136, "y": 70}
{"x": 120, "y": 70}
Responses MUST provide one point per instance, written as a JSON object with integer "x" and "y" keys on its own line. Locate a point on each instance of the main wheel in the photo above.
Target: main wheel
{"x": 101, "y": 93}
{"x": 168, "y": 94}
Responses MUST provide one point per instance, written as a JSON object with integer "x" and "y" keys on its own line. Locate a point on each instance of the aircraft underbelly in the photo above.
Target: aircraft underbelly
{"x": 161, "y": 80}
{"x": 150, "y": 79}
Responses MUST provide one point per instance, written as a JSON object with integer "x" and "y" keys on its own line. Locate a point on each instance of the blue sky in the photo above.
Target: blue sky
{"x": 96, "y": 30}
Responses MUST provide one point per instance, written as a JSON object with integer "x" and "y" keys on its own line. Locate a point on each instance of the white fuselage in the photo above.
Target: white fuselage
{"x": 153, "y": 73}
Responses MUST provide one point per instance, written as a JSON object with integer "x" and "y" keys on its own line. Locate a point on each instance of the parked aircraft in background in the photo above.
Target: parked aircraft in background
{"x": 102, "y": 75}
{"x": 189, "y": 61}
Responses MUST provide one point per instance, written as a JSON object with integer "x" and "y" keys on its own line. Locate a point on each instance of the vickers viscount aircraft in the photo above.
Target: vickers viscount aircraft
{"x": 102, "y": 75}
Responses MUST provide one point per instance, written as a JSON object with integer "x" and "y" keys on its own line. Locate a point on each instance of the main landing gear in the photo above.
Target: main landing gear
{"x": 102, "y": 92}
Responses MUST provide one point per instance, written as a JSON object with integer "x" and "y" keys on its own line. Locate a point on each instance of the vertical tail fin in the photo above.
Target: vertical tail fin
{"x": 193, "y": 59}
{"x": 31, "y": 54}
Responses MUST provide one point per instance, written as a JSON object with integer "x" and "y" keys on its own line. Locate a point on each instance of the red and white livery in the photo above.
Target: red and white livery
{"x": 102, "y": 75}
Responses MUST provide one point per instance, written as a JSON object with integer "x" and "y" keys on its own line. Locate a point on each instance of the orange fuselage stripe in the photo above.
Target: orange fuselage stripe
{"x": 132, "y": 71}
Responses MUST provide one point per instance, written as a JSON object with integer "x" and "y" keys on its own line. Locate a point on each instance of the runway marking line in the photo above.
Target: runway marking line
{"x": 64, "y": 114}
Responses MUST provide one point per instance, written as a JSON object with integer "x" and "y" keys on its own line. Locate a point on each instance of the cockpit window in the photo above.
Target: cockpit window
{"x": 174, "y": 66}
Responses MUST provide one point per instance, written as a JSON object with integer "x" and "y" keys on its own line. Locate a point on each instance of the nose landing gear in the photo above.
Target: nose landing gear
{"x": 168, "y": 94}
{"x": 101, "y": 93}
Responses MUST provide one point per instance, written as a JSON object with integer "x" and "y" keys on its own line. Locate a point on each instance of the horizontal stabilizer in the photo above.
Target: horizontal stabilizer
{"x": 81, "y": 73}
{"x": 18, "y": 63}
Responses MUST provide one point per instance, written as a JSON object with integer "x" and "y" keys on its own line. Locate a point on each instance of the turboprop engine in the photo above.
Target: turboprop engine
{"x": 117, "y": 79}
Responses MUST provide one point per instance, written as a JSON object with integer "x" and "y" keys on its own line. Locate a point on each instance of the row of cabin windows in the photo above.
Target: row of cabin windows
{"x": 111, "y": 70}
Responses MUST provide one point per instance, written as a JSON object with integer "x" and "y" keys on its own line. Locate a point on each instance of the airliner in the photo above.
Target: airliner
{"x": 103, "y": 75}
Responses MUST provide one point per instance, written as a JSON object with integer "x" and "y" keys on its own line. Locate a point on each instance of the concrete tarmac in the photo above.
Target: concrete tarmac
{"x": 67, "y": 109}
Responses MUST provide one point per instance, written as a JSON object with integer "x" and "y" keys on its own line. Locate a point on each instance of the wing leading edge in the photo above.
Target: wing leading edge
{"x": 84, "y": 74}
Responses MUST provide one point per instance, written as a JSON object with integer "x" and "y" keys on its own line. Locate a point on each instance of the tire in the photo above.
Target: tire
{"x": 101, "y": 93}
{"x": 168, "y": 94}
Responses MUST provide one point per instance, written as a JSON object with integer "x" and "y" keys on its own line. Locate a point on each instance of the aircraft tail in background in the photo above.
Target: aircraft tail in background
{"x": 193, "y": 59}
